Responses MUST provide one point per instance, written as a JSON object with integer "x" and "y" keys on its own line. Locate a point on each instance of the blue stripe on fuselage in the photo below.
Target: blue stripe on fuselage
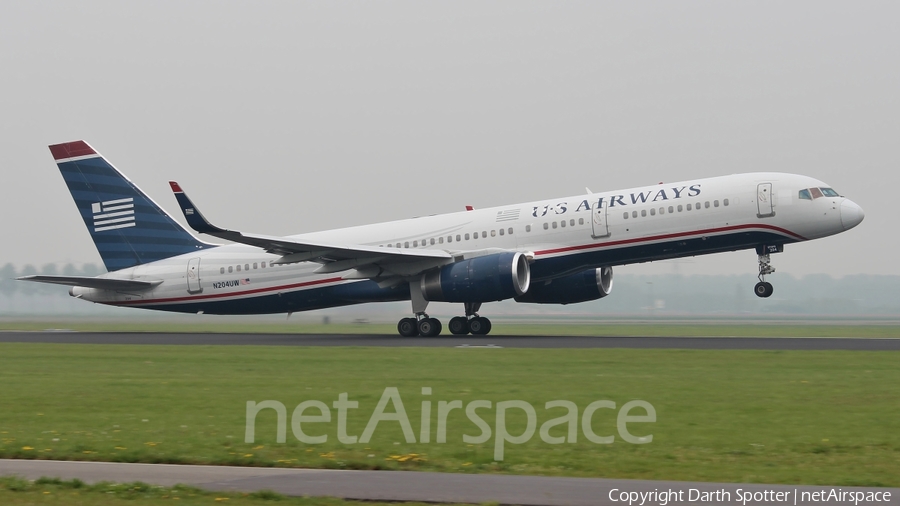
{"x": 368, "y": 291}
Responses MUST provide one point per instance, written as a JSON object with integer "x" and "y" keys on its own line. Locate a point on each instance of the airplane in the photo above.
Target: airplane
{"x": 554, "y": 251}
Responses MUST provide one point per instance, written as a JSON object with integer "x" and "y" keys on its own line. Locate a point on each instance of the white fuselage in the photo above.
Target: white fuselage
{"x": 561, "y": 236}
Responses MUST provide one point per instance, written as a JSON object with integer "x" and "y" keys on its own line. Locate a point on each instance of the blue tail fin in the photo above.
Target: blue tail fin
{"x": 128, "y": 228}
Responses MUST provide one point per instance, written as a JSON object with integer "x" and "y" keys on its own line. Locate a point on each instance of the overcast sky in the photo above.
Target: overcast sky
{"x": 290, "y": 117}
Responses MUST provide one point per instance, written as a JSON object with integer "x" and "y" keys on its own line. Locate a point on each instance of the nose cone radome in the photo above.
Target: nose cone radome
{"x": 851, "y": 214}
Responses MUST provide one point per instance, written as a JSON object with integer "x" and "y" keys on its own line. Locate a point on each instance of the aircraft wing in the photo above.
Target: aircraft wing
{"x": 89, "y": 282}
{"x": 334, "y": 257}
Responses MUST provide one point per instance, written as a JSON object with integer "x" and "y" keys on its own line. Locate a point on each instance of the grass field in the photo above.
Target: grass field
{"x": 731, "y": 416}
{"x": 711, "y": 328}
{"x": 18, "y": 492}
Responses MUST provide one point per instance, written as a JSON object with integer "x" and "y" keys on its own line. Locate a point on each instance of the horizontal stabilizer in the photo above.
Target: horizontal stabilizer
{"x": 88, "y": 282}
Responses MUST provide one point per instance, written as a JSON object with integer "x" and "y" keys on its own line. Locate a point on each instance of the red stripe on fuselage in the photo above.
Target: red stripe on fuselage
{"x": 196, "y": 298}
{"x": 663, "y": 237}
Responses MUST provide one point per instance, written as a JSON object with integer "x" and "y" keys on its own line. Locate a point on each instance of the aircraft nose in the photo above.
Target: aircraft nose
{"x": 851, "y": 214}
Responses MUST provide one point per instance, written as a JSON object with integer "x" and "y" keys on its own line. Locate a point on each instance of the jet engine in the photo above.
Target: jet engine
{"x": 481, "y": 279}
{"x": 591, "y": 284}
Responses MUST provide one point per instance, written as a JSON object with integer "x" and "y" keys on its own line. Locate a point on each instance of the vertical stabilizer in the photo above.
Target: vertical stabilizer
{"x": 127, "y": 227}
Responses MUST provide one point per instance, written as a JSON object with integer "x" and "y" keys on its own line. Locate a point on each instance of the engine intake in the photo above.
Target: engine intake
{"x": 481, "y": 279}
{"x": 591, "y": 284}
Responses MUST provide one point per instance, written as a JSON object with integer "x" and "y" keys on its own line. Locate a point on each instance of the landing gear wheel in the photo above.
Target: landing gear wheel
{"x": 458, "y": 325}
{"x": 763, "y": 289}
{"x": 408, "y": 327}
{"x": 429, "y": 327}
{"x": 479, "y": 326}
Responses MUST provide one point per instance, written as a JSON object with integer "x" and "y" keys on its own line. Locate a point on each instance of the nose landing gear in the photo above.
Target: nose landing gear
{"x": 764, "y": 289}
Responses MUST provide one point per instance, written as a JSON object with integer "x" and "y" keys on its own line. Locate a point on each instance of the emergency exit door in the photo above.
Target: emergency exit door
{"x": 599, "y": 222}
{"x": 764, "y": 200}
{"x": 193, "y": 276}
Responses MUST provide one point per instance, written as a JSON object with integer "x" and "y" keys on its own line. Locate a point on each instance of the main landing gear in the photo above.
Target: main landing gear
{"x": 764, "y": 289}
{"x": 425, "y": 326}
{"x": 422, "y": 325}
{"x": 471, "y": 323}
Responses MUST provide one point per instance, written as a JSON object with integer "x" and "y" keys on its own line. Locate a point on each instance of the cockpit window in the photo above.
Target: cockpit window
{"x": 816, "y": 193}
{"x": 804, "y": 194}
{"x": 828, "y": 192}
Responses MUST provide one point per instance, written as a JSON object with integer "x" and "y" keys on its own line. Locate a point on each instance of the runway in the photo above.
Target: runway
{"x": 424, "y": 487}
{"x": 498, "y": 341}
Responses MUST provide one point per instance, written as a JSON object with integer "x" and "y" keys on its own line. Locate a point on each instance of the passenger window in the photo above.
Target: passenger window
{"x": 527, "y": 228}
{"x": 221, "y": 270}
{"x": 449, "y": 238}
{"x": 715, "y": 203}
{"x": 546, "y": 226}
{"x": 406, "y": 244}
{"x": 458, "y": 237}
{"x": 509, "y": 230}
{"x": 501, "y": 231}
{"x": 562, "y": 224}
{"x": 415, "y": 244}
{"x": 230, "y": 269}
{"x": 662, "y": 210}
{"x": 572, "y": 222}
{"x": 493, "y": 233}
{"x": 467, "y": 237}
{"x": 262, "y": 265}
{"x": 706, "y": 204}
{"x": 398, "y": 244}
{"x": 625, "y": 215}
{"x": 634, "y": 214}
{"x": 688, "y": 207}
{"x": 554, "y": 224}
{"x": 671, "y": 209}
{"x": 581, "y": 221}
{"x": 484, "y": 235}
{"x": 725, "y": 202}
{"x": 643, "y": 213}
{"x": 679, "y": 208}
{"x": 255, "y": 265}
{"x": 441, "y": 240}
{"x": 432, "y": 241}
{"x": 652, "y": 212}
{"x": 246, "y": 267}
{"x": 239, "y": 268}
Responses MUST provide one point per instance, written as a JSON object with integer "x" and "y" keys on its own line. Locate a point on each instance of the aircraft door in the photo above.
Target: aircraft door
{"x": 193, "y": 276}
{"x": 764, "y": 200}
{"x": 599, "y": 222}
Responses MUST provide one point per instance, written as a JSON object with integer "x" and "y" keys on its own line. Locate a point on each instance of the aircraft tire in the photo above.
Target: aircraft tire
{"x": 480, "y": 326}
{"x": 408, "y": 327}
{"x": 429, "y": 327}
{"x": 458, "y": 325}
{"x": 763, "y": 289}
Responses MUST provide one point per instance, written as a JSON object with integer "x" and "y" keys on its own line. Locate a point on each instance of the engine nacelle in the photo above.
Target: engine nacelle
{"x": 481, "y": 279}
{"x": 591, "y": 284}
